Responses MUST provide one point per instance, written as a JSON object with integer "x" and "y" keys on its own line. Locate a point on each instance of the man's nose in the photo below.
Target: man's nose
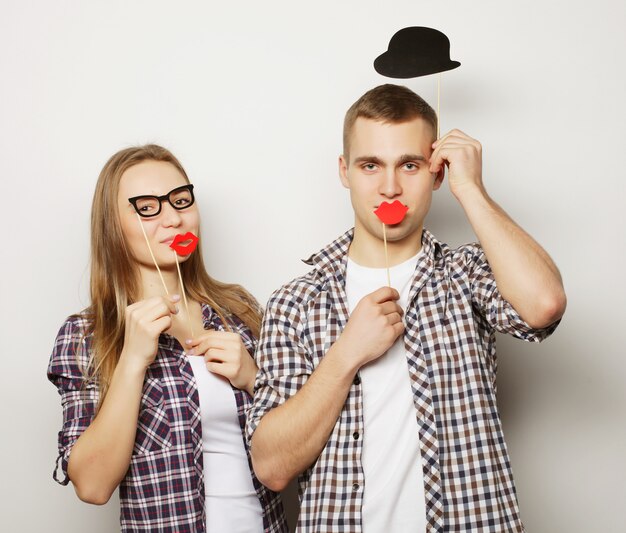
{"x": 390, "y": 186}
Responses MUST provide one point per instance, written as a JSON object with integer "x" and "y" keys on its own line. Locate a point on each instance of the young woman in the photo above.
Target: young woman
{"x": 147, "y": 406}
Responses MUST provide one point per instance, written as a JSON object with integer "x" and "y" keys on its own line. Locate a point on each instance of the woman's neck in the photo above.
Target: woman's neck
{"x": 152, "y": 285}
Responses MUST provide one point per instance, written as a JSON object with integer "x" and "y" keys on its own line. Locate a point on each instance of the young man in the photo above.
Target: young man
{"x": 382, "y": 400}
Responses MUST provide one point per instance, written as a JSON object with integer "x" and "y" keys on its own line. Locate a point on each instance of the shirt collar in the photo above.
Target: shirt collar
{"x": 333, "y": 258}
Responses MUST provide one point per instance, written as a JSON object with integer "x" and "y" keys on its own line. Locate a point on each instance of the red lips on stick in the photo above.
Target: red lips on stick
{"x": 180, "y": 248}
{"x": 390, "y": 214}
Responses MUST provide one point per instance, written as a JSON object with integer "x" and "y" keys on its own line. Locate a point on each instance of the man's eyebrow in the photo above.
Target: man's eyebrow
{"x": 407, "y": 158}
{"x": 368, "y": 159}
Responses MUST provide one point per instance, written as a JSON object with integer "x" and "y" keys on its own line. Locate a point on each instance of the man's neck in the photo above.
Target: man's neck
{"x": 369, "y": 251}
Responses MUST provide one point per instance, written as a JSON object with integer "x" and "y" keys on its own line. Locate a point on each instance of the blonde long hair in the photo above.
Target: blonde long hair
{"x": 115, "y": 281}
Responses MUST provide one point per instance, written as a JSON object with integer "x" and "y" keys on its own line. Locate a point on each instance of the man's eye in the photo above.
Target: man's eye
{"x": 369, "y": 166}
{"x": 410, "y": 166}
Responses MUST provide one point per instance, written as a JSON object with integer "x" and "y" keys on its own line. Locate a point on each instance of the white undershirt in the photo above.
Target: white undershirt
{"x": 393, "y": 498}
{"x": 232, "y": 504}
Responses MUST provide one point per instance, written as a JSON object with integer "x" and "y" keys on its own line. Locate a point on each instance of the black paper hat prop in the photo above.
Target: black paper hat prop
{"x": 416, "y": 51}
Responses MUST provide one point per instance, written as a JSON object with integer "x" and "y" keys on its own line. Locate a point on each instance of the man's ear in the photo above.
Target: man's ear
{"x": 439, "y": 178}
{"x": 343, "y": 172}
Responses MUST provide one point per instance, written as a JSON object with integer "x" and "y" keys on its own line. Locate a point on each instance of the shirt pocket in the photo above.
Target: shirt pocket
{"x": 153, "y": 425}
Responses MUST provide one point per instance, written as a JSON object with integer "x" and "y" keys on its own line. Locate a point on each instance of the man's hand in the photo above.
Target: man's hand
{"x": 373, "y": 327}
{"x": 463, "y": 157}
{"x": 525, "y": 274}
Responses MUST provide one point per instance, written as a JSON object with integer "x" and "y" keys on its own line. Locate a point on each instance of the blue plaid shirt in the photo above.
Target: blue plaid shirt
{"x": 164, "y": 487}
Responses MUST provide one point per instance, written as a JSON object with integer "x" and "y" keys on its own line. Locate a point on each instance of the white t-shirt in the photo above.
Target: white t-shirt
{"x": 393, "y": 498}
{"x": 232, "y": 504}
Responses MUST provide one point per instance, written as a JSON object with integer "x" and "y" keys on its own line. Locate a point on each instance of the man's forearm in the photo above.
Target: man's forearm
{"x": 524, "y": 272}
{"x": 291, "y": 437}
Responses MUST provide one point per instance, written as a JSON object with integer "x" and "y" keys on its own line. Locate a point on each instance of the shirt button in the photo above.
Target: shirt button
{"x": 357, "y": 379}
{"x": 355, "y": 486}
{"x": 355, "y": 435}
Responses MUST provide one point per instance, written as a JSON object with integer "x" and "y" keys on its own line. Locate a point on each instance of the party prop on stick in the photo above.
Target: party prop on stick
{"x": 390, "y": 214}
{"x": 180, "y": 248}
{"x": 182, "y": 245}
{"x": 152, "y": 254}
{"x": 417, "y": 51}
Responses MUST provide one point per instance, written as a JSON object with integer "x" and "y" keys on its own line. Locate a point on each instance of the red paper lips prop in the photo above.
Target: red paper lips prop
{"x": 179, "y": 246}
{"x": 391, "y": 213}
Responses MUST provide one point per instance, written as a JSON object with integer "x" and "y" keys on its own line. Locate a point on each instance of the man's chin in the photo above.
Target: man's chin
{"x": 399, "y": 232}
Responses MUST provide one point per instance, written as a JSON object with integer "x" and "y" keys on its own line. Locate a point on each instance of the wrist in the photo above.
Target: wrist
{"x": 250, "y": 382}
{"x": 131, "y": 366}
{"x": 470, "y": 195}
{"x": 346, "y": 367}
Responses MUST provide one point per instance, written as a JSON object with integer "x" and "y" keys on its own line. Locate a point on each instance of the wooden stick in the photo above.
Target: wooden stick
{"x": 438, "y": 105}
{"x": 386, "y": 256}
{"x": 151, "y": 254}
{"x": 182, "y": 288}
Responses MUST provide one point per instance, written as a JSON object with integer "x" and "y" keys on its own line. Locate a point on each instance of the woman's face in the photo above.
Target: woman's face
{"x": 155, "y": 178}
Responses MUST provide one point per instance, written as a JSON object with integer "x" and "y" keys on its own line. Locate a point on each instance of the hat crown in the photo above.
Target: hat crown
{"x": 420, "y": 39}
{"x": 415, "y": 51}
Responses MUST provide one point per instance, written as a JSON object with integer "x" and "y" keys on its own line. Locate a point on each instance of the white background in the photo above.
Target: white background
{"x": 251, "y": 96}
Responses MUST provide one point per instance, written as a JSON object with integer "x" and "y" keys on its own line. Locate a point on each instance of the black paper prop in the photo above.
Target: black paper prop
{"x": 415, "y": 51}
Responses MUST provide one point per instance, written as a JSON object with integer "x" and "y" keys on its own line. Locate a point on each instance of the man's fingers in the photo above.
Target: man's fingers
{"x": 452, "y": 133}
{"x": 398, "y": 328}
{"x": 384, "y": 294}
{"x": 394, "y": 318}
{"x": 391, "y": 307}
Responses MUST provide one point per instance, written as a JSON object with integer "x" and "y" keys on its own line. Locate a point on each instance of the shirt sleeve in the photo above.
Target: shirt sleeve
{"x": 79, "y": 396}
{"x": 497, "y": 312}
{"x": 249, "y": 341}
{"x": 283, "y": 360}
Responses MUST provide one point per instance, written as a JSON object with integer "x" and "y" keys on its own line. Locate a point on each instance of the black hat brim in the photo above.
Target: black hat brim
{"x": 403, "y": 66}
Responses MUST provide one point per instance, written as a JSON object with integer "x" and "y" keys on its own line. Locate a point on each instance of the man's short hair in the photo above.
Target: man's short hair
{"x": 388, "y": 103}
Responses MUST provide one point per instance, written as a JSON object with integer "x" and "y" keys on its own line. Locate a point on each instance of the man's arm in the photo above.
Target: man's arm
{"x": 525, "y": 275}
{"x": 290, "y": 437}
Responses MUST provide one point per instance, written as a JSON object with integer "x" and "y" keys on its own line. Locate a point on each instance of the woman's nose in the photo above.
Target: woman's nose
{"x": 170, "y": 216}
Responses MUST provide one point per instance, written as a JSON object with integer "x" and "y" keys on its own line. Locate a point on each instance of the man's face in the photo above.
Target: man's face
{"x": 389, "y": 162}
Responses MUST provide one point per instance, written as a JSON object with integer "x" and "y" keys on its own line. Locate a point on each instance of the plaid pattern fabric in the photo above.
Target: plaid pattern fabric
{"x": 164, "y": 487}
{"x": 454, "y": 310}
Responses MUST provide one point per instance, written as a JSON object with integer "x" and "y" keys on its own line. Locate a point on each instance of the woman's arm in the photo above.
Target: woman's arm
{"x": 100, "y": 457}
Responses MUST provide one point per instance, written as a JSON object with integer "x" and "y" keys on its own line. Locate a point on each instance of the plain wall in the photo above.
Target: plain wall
{"x": 251, "y": 96}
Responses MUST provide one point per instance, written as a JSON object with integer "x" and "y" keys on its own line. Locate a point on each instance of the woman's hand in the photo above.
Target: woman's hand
{"x": 145, "y": 321}
{"x": 225, "y": 354}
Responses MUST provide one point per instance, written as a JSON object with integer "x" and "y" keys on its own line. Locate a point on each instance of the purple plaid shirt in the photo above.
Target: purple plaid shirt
{"x": 164, "y": 487}
{"x": 453, "y": 313}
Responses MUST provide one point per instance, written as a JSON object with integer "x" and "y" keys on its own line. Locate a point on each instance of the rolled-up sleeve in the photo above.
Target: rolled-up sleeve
{"x": 79, "y": 397}
{"x": 283, "y": 361}
{"x": 498, "y": 312}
